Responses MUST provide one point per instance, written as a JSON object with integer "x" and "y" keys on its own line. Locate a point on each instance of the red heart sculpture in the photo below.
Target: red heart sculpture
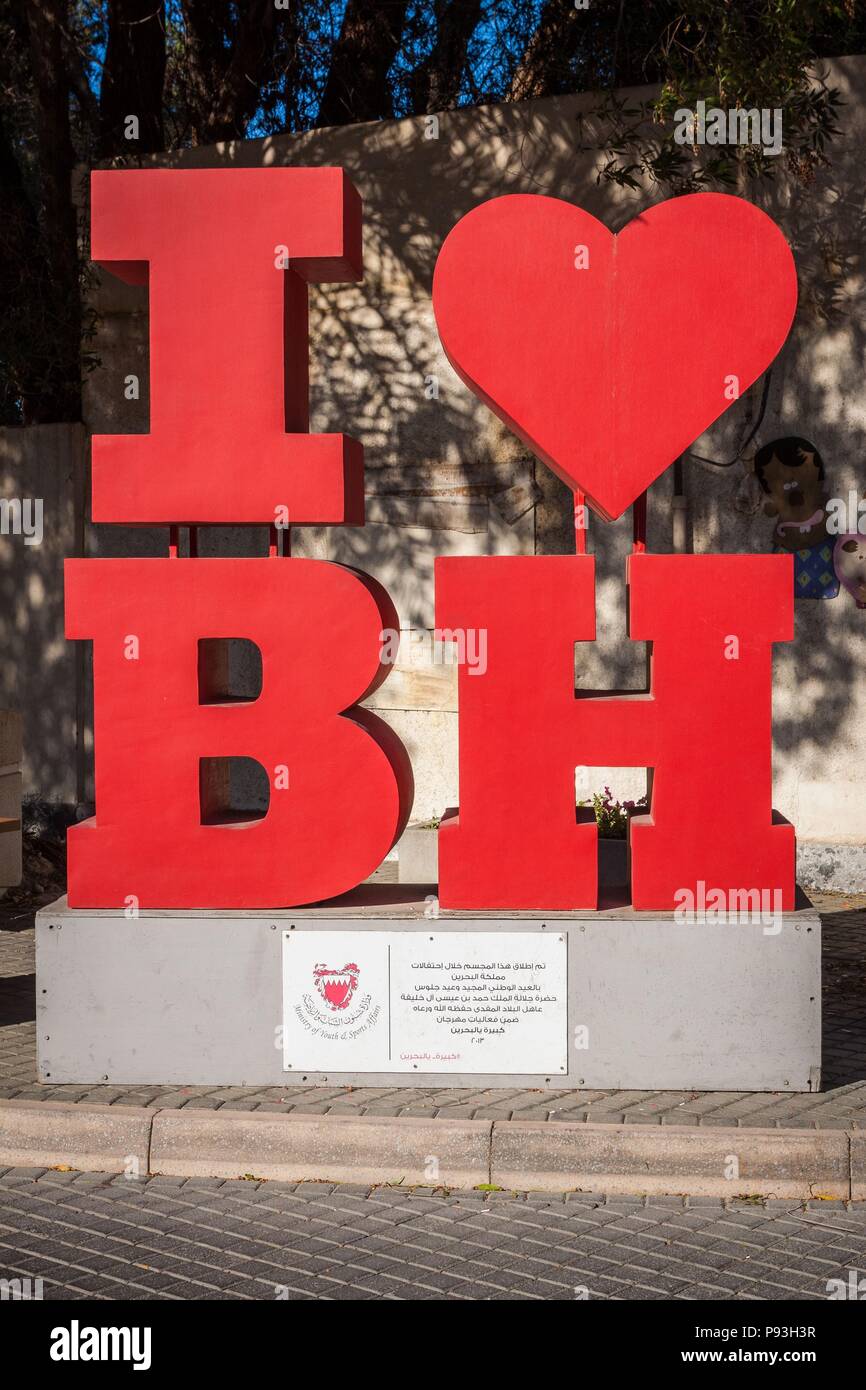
{"x": 609, "y": 355}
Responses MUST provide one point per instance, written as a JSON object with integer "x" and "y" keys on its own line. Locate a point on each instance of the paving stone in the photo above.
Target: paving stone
{"x": 538, "y": 1252}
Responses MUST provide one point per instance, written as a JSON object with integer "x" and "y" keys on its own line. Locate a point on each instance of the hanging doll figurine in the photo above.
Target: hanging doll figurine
{"x": 790, "y": 472}
{"x": 849, "y": 558}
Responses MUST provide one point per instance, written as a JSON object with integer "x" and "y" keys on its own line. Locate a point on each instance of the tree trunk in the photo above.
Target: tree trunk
{"x": 436, "y": 86}
{"x": 60, "y": 394}
{"x": 21, "y": 308}
{"x": 357, "y": 84}
{"x": 132, "y": 77}
{"x": 540, "y": 71}
{"x": 227, "y": 61}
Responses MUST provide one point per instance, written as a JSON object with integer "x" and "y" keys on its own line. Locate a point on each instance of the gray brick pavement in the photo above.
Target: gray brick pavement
{"x": 842, "y": 1103}
{"x": 90, "y": 1236}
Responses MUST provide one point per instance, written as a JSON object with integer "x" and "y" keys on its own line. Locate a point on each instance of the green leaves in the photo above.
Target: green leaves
{"x": 756, "y": 55}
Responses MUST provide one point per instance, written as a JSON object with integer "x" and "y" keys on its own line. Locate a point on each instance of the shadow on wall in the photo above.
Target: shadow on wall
{"x": 40, "y": 672}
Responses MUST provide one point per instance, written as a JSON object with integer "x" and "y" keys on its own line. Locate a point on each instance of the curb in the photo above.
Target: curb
{"x": 93, "y": 1138}
{"x": 510, "y": 1154}
{"x": 670, "y": 1159}
{"x": 334, "y": 1148}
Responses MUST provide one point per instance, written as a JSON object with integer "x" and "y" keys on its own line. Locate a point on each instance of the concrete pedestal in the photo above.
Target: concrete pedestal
{"x": 626, "y": 1000}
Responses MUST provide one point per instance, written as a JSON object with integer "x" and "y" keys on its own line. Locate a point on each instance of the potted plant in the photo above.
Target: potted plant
{"x": 611, "y": 817}
{"x": 418, "y": 852}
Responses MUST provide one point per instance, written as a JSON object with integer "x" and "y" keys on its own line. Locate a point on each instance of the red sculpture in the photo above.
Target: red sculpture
{"x": 609, "y": 355}
{"x": 227, "y": 255}
{"x": 340, "y": 781}
{"x": 703, "y": 727}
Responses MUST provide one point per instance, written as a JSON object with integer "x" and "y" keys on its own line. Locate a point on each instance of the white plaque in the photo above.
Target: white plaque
{"x": 401, "y": 1001}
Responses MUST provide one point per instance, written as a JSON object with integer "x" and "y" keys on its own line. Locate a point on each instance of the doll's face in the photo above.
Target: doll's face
{"x": 796, "y": 496}
{"x": 849, "y": 561}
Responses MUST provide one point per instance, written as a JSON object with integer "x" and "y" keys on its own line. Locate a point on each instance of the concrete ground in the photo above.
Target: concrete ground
{"x": 840, "y": 1105}
{"x": 92, "y": 1236}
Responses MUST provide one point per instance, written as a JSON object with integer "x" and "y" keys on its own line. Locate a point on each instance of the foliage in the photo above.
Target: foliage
{"x": 755, "y": 54}
{"x": 199, "y": 71}
{"x": 612, "y": 816}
